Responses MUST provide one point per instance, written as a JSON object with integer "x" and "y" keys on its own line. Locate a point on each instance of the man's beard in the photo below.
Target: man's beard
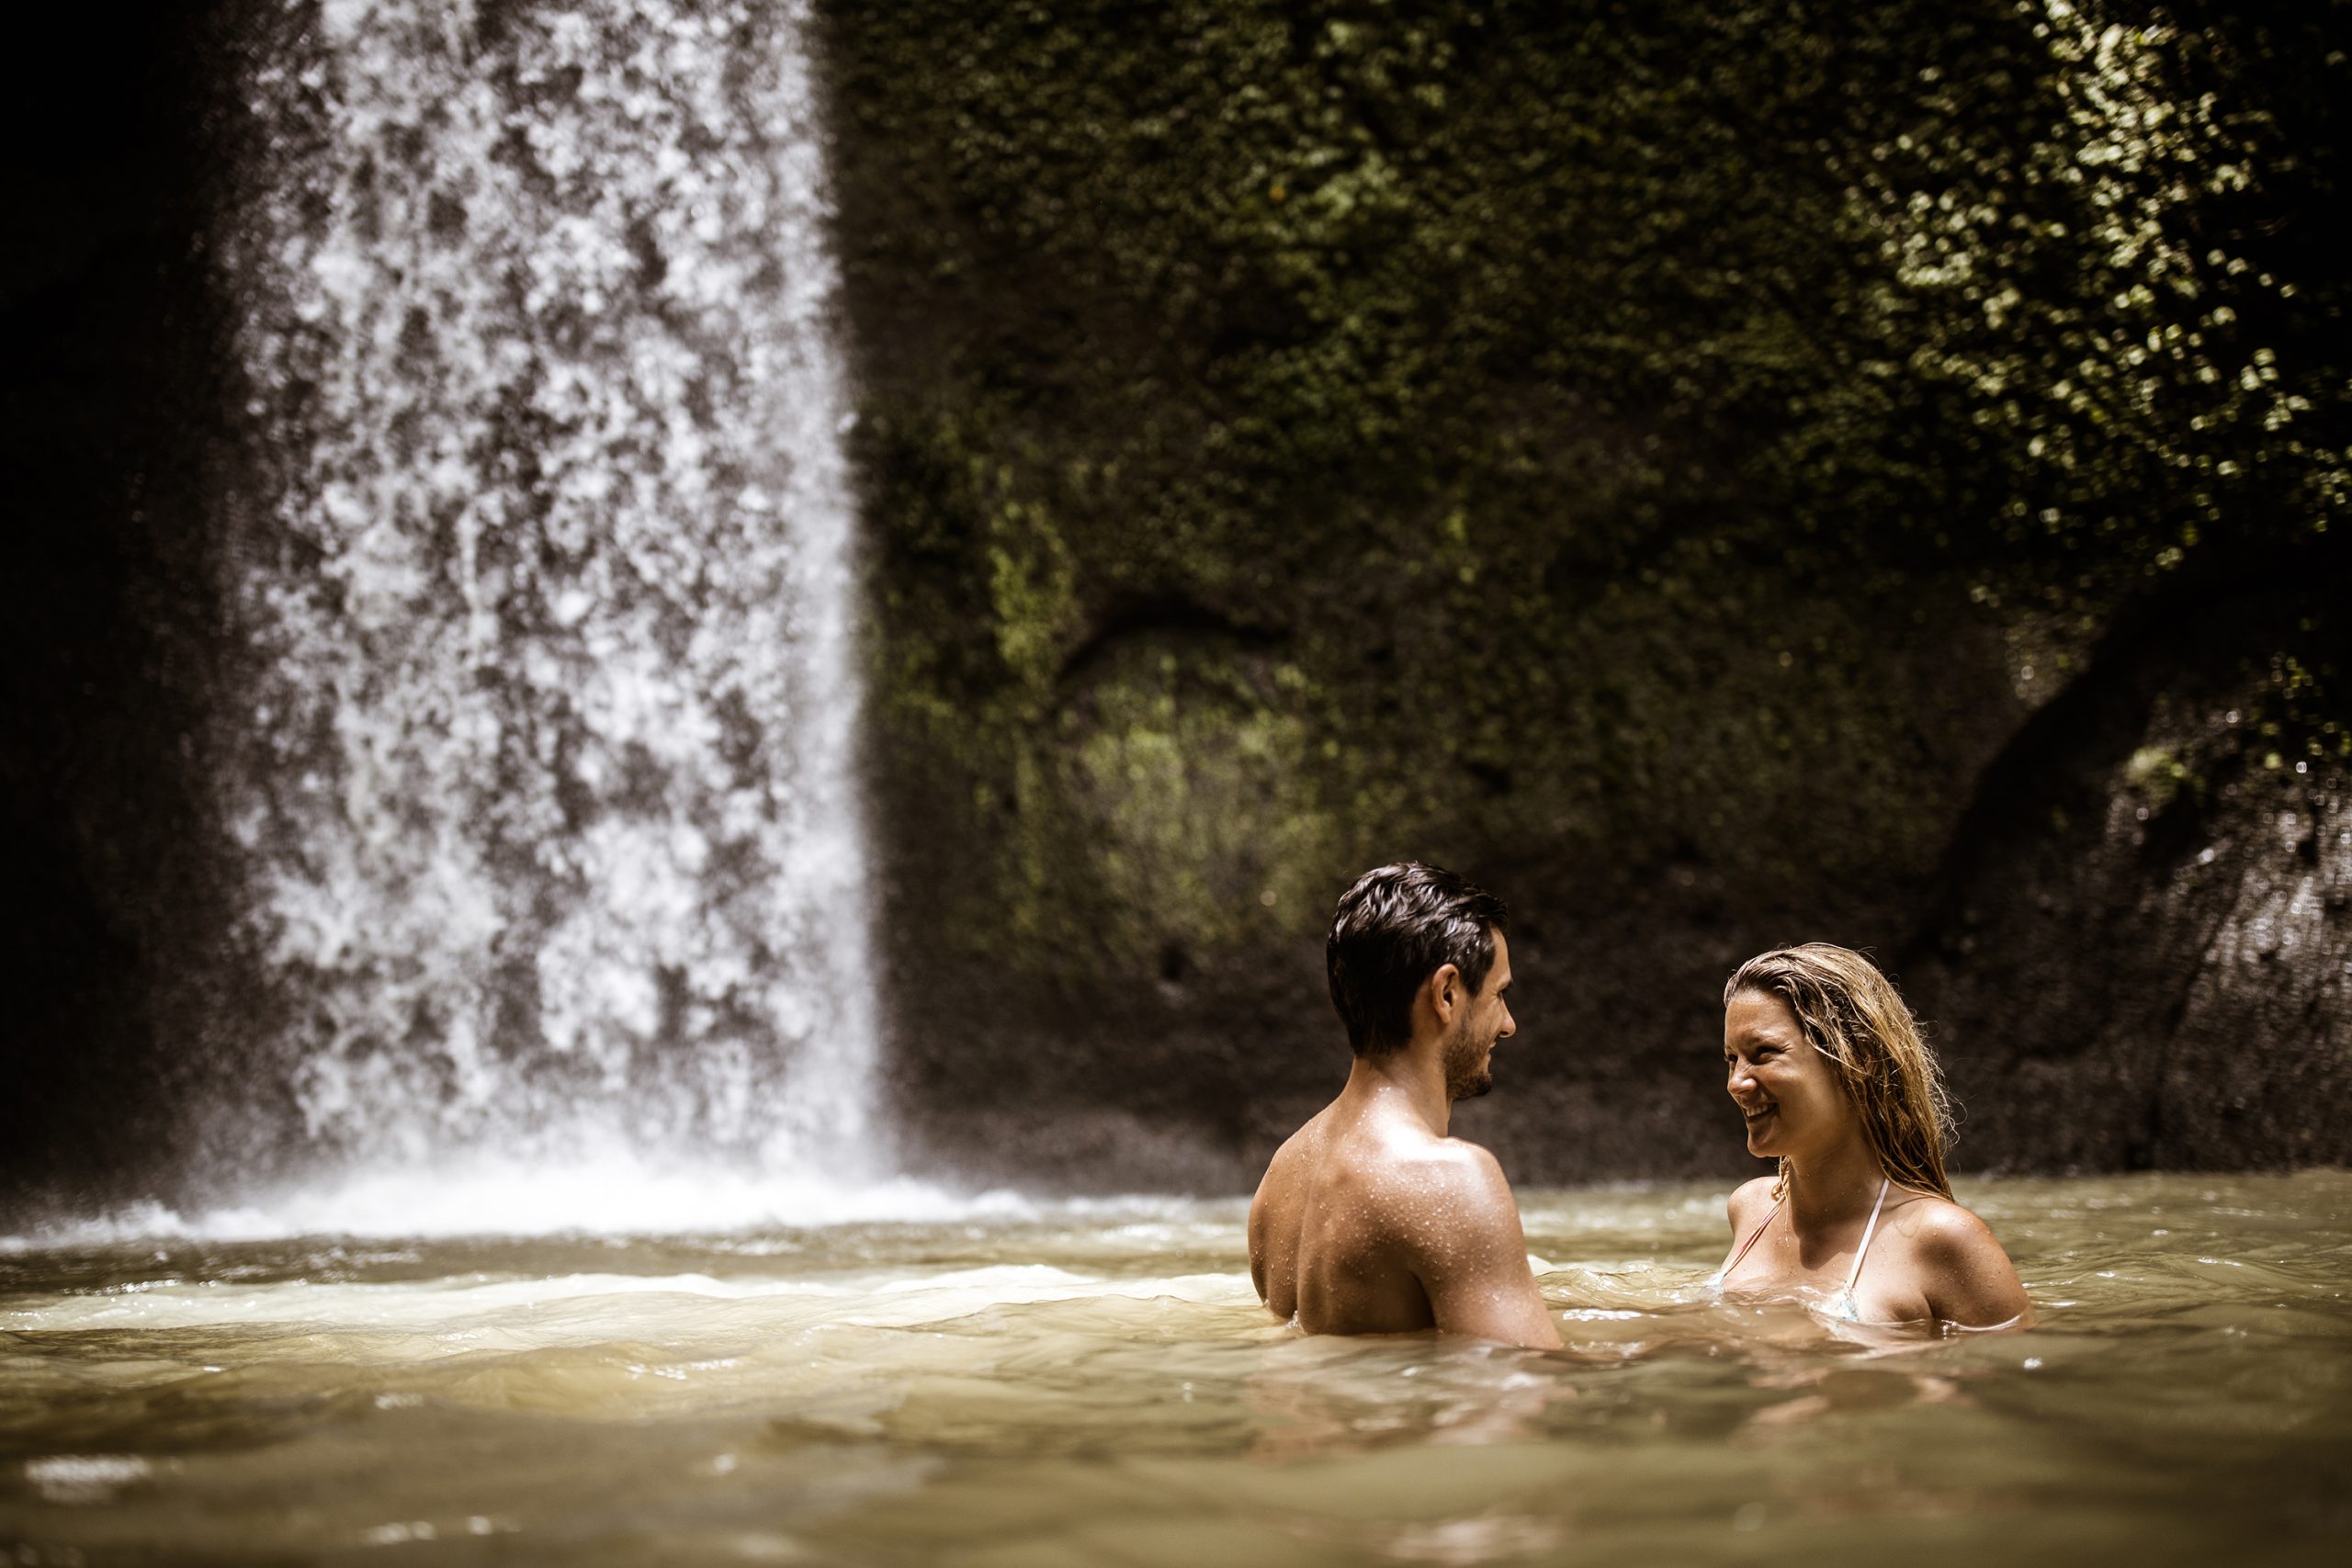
{"x": 1467, "y": 1071}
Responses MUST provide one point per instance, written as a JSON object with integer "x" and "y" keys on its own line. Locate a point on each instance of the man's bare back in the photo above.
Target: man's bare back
{"x": 1371, "y": 1219}
{"x": 1367, "y": 1224}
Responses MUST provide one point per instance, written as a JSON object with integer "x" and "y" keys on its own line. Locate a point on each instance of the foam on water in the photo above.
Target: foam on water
{"x": 610, "y": 1305}
{"x": 487, "y": 1196}
{"x": 542, "y": 787}
{"x": 617, "y": 1197}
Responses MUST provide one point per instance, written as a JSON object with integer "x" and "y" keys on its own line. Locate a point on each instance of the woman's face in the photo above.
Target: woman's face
{"x": 1786, "y": 1090}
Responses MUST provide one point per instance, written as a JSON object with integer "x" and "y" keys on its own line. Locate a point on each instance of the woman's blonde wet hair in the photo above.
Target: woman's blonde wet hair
{"x": 1853, "y": 1015}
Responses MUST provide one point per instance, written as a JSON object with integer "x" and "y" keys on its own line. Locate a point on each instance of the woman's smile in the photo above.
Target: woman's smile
{"x": 1768, "y": 1061}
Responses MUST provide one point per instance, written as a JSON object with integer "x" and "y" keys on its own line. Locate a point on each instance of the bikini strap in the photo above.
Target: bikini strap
{"x": 1753, "y": 1237}
{"x": 1868, "y": 1231}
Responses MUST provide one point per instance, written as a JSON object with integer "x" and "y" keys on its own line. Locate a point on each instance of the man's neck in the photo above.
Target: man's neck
{"x": 1412, "y": 1078}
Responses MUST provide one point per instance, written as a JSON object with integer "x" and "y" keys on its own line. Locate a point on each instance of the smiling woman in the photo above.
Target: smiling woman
{"x": 1832, "y": 1078}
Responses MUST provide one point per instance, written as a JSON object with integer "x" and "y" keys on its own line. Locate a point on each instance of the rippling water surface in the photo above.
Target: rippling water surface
{"x": 1096, "y": 1383}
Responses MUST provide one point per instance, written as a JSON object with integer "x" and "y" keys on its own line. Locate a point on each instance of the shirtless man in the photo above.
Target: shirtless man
{"x": 1371, "y": 1220}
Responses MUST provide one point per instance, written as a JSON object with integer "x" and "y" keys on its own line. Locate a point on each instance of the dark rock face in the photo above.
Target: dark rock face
{"x": 2143, "y": 954}
{"x": 1717, "y": 479}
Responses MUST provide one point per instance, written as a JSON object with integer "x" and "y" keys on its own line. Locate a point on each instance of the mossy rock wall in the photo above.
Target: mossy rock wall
{"x": 1720, "y": 477}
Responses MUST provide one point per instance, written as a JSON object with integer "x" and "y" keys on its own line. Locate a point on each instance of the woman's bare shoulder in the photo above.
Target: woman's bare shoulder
{"x": 1966, "y": 1272}
{"x": 1942, "y": 1228}
{"x": 1749, "y": 1203}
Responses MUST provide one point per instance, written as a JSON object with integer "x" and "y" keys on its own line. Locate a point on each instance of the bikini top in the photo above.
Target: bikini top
{"x": 1845, "y": 1309}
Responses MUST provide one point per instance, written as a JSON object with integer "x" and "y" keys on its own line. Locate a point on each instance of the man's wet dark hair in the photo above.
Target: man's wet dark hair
{"x": 1398, "y": 925}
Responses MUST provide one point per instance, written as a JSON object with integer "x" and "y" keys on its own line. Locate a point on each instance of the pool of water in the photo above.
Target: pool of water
{"x": 1096, "y": 1384}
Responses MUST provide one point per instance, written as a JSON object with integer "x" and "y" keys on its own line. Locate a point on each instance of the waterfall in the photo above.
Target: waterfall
{"x": 541, "y": 769}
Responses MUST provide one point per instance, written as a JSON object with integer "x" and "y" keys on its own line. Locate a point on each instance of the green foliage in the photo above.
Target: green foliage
{"x": 1568, "y": 397}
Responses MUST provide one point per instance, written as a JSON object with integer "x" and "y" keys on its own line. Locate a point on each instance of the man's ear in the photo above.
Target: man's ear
{"x": 1446, "y": 992}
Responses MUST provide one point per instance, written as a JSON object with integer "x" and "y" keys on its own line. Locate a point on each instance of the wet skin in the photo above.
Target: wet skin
{"x": 1930, "y": 1261}
{"x": 1372, "y": 1220}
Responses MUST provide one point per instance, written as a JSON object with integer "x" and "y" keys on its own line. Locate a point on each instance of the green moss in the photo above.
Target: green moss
{"x": 2155, "y": 775}
{"x": 1197, "y": 802}
{"x": 1597, "y": 416}
{"x": 1032, "y": 594}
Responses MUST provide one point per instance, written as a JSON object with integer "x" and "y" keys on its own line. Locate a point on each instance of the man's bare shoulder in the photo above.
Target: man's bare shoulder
{"x": 1287, "y": 1175}
{"x": 1396, "y": 1177}
{"x": 1294, "y": 1160}
{"x": 1469, "y": 1170}
{"x": 1436, "y": 1191}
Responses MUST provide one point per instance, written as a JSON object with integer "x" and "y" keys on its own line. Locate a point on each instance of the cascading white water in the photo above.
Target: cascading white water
{"x": 546, "y": 795}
